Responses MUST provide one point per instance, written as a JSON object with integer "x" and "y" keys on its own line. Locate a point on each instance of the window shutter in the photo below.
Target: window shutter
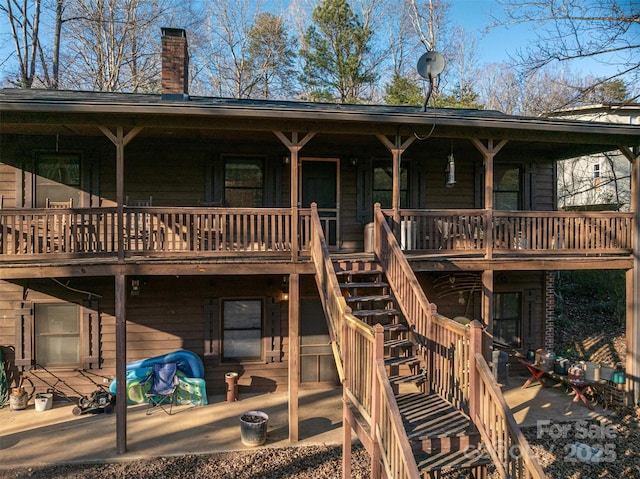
{"x": 274, "y": 340}
{"x": 90, "y": 335}
{"x": 211, "y": 335}
{"x": 24, "y": 336}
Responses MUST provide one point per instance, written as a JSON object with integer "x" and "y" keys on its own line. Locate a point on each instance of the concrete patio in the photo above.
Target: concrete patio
{"x": 29, "y": 437}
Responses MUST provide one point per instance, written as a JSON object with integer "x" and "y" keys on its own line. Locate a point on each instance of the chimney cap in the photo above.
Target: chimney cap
{"x": 173, "y": 32}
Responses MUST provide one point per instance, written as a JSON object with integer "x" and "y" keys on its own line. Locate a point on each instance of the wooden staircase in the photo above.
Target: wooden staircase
{"x": 442, "y": 437}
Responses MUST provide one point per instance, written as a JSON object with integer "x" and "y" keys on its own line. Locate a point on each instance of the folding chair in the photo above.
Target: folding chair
{"x": 162, "y": 392}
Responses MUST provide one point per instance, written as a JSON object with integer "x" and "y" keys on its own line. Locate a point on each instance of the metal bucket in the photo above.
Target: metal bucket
{"x": 253, "y": 428}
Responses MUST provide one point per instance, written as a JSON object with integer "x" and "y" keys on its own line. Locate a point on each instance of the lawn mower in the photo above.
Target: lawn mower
{"x": 99, "y": 401}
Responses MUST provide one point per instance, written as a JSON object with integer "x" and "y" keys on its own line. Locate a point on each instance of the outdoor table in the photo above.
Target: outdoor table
{"x": 579, "y": 388}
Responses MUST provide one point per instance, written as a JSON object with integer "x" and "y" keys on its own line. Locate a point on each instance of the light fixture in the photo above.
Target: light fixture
{"x": 286, "y": 160}
{"x": 135, "y": 287}
{"x": 353, "y": 160}
{"x": 284, "y": 289}
{"x": 450, "y": 170}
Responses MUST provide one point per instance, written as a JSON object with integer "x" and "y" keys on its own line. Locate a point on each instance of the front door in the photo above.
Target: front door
{"x": 319, "y": 183}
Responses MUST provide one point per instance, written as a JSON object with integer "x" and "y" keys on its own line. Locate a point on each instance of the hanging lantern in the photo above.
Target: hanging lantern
{"x": 450, "y": 171}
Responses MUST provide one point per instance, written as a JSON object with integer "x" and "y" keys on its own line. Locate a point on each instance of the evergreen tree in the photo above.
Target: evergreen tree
{"x": 335, "y": 54}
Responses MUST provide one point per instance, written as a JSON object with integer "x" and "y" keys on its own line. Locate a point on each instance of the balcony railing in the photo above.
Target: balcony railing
{"x": 148, "y": 231}
{"x": 163, "y": 231}
{"x": 479, "y": 232}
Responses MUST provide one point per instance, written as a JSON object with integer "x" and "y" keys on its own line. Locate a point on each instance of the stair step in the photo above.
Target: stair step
{"x": 358, "y": 272}
{"x": 368, "y": 284}
{"x": 369, "y": 298}
{"x": 429, "y": 416}
{"x": 398, "y": 343}
{"x": 452, "y": 461}
{"x": 402, "y": 361}
{"x": 394, "y": 327}
{"x": 374, "y": 313}
{"x": 404, "y": 379}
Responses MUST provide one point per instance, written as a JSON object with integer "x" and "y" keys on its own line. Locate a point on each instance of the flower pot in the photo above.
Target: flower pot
{"x": 253, "y": 428}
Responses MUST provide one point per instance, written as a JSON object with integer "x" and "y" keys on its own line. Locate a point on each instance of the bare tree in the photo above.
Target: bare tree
{"x": 226, "y": 53}
{"x": 568, "y": 31}
{"x": 24, "y": 23}
{"x": 113, "y": 45}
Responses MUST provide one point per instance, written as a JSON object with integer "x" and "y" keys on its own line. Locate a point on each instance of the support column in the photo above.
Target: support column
{"x": 294, "y": 146}
{"x": 550, "y": 309}
{"x": 294, "y": 355}
{"x": 120, "y": 140}
{"x": 397, "y": 148}
{"x": 121, "y": 362}
{"x": 632, "y": 365}
{"x": 487, "y": 313}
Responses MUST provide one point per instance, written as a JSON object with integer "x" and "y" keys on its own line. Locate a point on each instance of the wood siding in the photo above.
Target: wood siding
{"x": 167, "y": 315}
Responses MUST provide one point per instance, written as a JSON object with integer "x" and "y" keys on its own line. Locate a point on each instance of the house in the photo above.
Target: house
{"x": 601, "y": 181}
{"x": 271, "y": 238}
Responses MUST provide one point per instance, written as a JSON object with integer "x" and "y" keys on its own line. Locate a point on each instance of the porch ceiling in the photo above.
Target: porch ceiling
{"x": 80, "y": 113}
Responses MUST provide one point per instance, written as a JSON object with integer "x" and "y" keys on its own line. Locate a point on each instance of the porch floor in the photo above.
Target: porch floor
{"x": 30, "y": 437}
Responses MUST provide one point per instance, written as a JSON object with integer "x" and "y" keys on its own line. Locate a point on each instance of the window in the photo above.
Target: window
{"x": 507, "y": 318}
{"x": 57, "y": 178}
{"x": 244, "y": 182}
{"x": 57, "y": 334}
{"x": 596, "y": 175}
{"x": 242, "y": 329}
{"x": 383, "y": 185}
{"x": 506, "y": 187}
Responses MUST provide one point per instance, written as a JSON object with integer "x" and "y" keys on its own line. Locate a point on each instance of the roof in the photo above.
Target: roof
{"x": 31, "y": 106}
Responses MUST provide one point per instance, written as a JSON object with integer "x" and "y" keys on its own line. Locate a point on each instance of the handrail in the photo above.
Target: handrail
{"x": 509, "y": 449}
{"x": 334, "y": 305}
{"x": 396, "y": 453}
{"x": 364, "y": 376}
{"x": 443, "y": 343}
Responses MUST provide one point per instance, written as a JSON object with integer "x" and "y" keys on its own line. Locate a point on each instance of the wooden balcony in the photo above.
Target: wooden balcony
{"x": 50, "y": 234}
{"x": 143, "y": 231}
{"x": 516, "y": 233}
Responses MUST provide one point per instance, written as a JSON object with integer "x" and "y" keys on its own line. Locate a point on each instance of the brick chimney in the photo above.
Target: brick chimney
{"x": 175, "y": 64}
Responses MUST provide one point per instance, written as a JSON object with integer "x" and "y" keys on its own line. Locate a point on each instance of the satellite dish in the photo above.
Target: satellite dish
{"x": 430, "y": 65}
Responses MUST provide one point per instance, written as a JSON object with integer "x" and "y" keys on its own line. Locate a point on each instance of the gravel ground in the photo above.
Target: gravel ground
{"x": 317, "y": 462}
{"x": 554, "y": 447}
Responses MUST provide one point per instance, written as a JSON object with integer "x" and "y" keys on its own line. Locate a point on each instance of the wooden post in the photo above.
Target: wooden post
{"x": 294, "y": 146}
{"x": 396, "y": 148}
{"x": 632, "y": 333}
{"x": 475, "y": 347}
{"x": 487, "y": 312}
{"x": 346, "y": 425}
{"x": 378, "y": 355}
{"x": 294, "y": 354}
{"x": 121, "y": 362}
{"x": 488, "y": 152}
{"x": 120, "y": 140}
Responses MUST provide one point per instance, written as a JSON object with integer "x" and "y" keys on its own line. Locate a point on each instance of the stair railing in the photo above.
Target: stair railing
{"x": 443, "y": 343}
{"x": 334, "y": 305}
{"x": 456, "y": 369}
{"x": 509, "y": 449}
{"x": 360, "y": 360}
